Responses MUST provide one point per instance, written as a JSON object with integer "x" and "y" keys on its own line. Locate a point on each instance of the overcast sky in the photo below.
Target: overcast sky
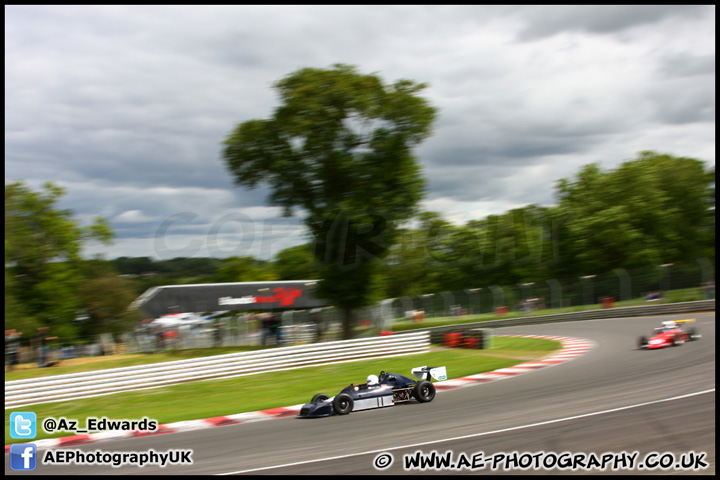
{"x": 127, "y": 107}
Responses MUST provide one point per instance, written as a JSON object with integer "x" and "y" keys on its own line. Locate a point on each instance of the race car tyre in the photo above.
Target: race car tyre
{"x": 424, "y": 391}
{"x": 642, "y": 342}
{"x": 319, "y": 398}
{"x": 343, "y": 404}
{"x": 692, "y": 334}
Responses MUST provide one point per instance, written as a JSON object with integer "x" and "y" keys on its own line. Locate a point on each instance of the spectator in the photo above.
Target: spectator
{"x": 170, "y": 337}
{"x": 317, "y": 322}
{"x": 217, "y": 333}
{"x": 265, "y": 323}
{"x": 709, "y": 290}
{"x": 41, "y": 342}
{"x": 12, "y": 347}
{"x": 159, "y": 338}
{"x": 274, "y": 327}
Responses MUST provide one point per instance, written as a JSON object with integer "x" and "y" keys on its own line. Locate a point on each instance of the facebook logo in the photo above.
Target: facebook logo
{"x": 23, "y": 456}
{"x": 23, "y": 425}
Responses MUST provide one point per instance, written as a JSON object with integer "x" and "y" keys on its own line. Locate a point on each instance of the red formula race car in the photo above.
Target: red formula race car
{"x": 672, "y": 333}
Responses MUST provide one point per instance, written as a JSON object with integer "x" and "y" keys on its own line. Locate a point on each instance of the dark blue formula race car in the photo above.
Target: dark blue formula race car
{"x": 384, "y": 390}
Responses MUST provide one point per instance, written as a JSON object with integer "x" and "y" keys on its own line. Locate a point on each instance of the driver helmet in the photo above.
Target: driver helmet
{"x": 371, "y": 379}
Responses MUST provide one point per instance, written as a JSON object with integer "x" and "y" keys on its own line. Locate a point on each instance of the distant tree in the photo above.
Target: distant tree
{"x": 184, "y": 267}
{"x": 339, "y": 147}
{"x": 134, "y": 265}
{"x": 296, "y": 263}
{"x": 407, "y": 268}
{"x": 105, "y": 301}
{"x": 42, "y": 258}
{"x": 244, "y": 269}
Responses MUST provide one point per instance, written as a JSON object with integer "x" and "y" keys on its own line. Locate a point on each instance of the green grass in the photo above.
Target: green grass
{"x": 204, "y": 399}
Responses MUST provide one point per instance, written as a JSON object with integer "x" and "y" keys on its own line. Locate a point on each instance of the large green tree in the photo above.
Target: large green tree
{"x": 340, "y": 148}
{"x": 43, "y": 261}
{"x": 655, "y": 209}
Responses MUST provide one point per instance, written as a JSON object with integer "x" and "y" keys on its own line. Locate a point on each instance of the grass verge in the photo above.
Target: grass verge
{"x": 87, "y": 364}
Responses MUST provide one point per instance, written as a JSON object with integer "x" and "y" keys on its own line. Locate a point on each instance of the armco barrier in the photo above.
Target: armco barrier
{"x": 73, "y": 386}
{"x": 437, "y": 333}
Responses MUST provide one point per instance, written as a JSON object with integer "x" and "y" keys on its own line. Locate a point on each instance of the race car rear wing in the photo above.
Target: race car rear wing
{"x": 425, "y": 372}
{"x": 686, "y": 320}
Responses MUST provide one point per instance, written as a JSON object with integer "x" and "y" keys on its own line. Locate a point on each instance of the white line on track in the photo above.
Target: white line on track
{"x": 414, "y": 445}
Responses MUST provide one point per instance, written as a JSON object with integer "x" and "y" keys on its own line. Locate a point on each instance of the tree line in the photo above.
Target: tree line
{"x": 655, "y": 209}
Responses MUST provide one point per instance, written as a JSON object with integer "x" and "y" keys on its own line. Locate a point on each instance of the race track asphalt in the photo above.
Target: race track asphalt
{"x": 614, "y": 399}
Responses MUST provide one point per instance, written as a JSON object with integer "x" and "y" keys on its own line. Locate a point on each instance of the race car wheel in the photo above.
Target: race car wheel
{"x": 424, "y": 391}
{"x": 343, "y": 404}
{"x": 319, "y": 398}
{"x": 692, "y": 334}
{"x": 642, "y": 342}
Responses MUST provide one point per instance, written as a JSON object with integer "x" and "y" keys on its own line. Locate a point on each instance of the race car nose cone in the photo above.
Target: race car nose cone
{"x": 311, "y": 410}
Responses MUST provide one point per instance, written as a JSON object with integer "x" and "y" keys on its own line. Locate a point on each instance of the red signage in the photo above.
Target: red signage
{"x": 286, "y": 296}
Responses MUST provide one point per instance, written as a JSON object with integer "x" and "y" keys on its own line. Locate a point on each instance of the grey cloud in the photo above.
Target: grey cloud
{"x": 685, "y": 106}
{"x": 547, "y": 20}
{"x": 128, "y": 106}
{"x": 684, "y": 65}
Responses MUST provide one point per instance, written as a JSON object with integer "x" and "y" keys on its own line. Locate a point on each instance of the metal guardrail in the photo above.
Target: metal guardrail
{"x": 73, "y": 386}
{"x": 436, "y": 333}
